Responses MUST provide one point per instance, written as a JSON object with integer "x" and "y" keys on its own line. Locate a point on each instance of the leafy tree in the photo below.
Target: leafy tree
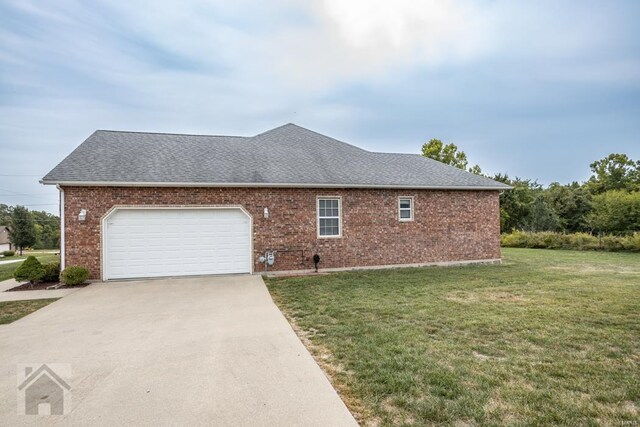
{"x": 516, "y": 204}
{"x": 475, "y": 169}
{"x": 47, "y": 230}
{"x": 541, "y": 217}
{"x": 47, "y": 227}
{"x": 616, "y": 211}
{"x": 22, "y": 231}
{"x": 571, "y": 203}
{"x": 5, "y": 214}
{"x": 448, "y": 154}
{"x": 30, "y": 270}
{"x": 614, "y": 172}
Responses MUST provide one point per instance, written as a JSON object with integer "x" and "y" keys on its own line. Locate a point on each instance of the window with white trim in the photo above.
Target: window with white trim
{"x": 329, "y": 224}
{"x": 405, "y": 208}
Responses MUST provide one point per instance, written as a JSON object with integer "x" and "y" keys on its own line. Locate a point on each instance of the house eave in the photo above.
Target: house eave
{"x": 265, "y": 185}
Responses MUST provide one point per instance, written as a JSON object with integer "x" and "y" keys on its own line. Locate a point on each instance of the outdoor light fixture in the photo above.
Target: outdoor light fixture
{"x": 266, "y": 213}
{"x": 82, "y": 215}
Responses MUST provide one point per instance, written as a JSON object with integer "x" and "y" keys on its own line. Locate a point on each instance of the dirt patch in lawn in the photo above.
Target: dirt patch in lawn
{"x": 473, "y": 297}
{"x": 587, "y": 269}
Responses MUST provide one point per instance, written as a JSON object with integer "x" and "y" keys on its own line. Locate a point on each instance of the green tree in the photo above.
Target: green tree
{"x": 5, "y": 214}
{"x": 47, "y": 230}
{"x": 475, "y": 169}
{"x": 22, "y": 231}
{"x": 516, "y": 204}
{"x": 616, "y": 211}
{"x": 448, "y": 154}
{"x": 541, "y": 217}
{"x": 614, "y": 172}
{"x": 571, "y": 203}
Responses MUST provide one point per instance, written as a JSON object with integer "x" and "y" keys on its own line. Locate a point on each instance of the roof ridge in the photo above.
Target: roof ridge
{"x": 315, "y": 133}
{"x": 170, "y": 133}
{"x": 275, "y": 128}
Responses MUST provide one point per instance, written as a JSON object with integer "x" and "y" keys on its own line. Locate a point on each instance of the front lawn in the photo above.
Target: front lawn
{"x": 549, "y": 337}
{"x": 10, "y": 311}
{"x": 6, "y": 270}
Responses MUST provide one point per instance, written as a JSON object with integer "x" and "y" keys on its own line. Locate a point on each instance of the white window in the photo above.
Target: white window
{"x": 405, "y": 208}
{"x": 329, "y": 221}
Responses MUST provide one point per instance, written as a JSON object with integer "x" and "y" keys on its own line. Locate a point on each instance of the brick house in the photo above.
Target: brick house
{"x": 150, "y": 205}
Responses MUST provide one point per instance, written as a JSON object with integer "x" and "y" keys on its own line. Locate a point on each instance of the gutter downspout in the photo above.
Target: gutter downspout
{"x": 62, "y": 245}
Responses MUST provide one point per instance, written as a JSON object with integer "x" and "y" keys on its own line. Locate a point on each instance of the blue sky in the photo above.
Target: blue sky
{"x": 534, "y": 89}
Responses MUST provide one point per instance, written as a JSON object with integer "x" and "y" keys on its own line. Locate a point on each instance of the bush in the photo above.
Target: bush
{"x": 517, "y": 239}
{"x": 51, "y": 272}
{"x": 577, "y": 241}
{"x": 632, "y": 242}
{"x": 74, "y": 275}
{"x": 583, "y": 242}
{"x": 8, "y": 253}
{"x": 30, "y": 270}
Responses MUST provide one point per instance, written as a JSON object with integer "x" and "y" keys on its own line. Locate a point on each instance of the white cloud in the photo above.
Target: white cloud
{"x": 365, "y": 39}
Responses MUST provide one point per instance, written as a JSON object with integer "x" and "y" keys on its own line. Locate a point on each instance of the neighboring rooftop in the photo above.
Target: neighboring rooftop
{"x": 288, "y": 155}
{"x": 4, "y": 235}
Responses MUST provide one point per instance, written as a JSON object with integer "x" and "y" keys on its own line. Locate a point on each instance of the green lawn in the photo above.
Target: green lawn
{"x": 6, "y": 270}
{"x": 10, "y": 311}
{"x": 549, "y": 337}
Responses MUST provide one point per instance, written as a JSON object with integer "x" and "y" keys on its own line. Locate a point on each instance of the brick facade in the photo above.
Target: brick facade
{"x": 447, "y": 226}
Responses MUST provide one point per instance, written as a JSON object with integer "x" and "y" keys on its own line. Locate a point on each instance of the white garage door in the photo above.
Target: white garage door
{"x": 176, "y": 242}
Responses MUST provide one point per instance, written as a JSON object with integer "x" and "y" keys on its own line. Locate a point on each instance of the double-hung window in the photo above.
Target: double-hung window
{"x": 329, "y": 220}
{"x": 405, "y": 208}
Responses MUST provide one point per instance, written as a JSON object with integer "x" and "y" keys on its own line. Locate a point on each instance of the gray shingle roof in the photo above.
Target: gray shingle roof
{"x": 285, "y": 156}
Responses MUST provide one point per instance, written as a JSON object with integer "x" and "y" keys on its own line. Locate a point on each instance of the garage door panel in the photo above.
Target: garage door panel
{"x": 176, "y": 242}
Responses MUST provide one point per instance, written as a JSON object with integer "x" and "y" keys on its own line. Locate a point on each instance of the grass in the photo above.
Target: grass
{"x": 6, "y": 270}
{"x": 547, "y": 338}
{"x": 10, "y": 311}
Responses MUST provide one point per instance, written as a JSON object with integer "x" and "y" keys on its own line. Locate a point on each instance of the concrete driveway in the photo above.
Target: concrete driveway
{"x": 197, "y": 351}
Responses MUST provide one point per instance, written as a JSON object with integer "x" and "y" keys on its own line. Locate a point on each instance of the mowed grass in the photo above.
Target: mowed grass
{"x": 6, "y": 270}
{"x": 547, "y": 338}
{"x": 10, "y": 311}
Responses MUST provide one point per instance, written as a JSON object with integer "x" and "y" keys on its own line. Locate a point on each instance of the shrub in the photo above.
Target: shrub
{"x": 8, "y": 253}
{"x": 611, "y": 243}
{"x": 51, "y": 272}
{"x": 74, "y": 275}
{"x": 517, "y": 239}
{"x": 30, "y": 270}
{"x": 577, "y": 241}
{"x": 583, "y": 242}
{"x": 632, "y": 242}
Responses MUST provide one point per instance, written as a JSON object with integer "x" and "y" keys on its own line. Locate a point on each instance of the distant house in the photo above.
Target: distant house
{"x": 5, "y": 243}
{"x": 140, "y": 204}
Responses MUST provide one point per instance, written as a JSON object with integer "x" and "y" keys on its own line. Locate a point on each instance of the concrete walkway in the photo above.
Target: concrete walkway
{"x": 30, "y": 295}
{"x": 10, "y": 261}
{"x": 200, "y": 351}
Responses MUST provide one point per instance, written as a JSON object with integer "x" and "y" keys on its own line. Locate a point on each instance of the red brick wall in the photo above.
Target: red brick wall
{"x": 447, "y": 226}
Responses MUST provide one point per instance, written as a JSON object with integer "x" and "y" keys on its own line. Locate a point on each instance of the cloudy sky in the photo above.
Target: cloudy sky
{"x": 534, "y": 89}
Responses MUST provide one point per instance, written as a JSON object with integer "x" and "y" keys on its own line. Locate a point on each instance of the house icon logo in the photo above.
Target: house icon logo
{"x": 43, "y": 389}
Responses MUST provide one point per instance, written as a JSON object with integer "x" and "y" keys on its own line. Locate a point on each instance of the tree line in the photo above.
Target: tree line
{"x": 30, "y": 229}
{"x": 607, "y": 203}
